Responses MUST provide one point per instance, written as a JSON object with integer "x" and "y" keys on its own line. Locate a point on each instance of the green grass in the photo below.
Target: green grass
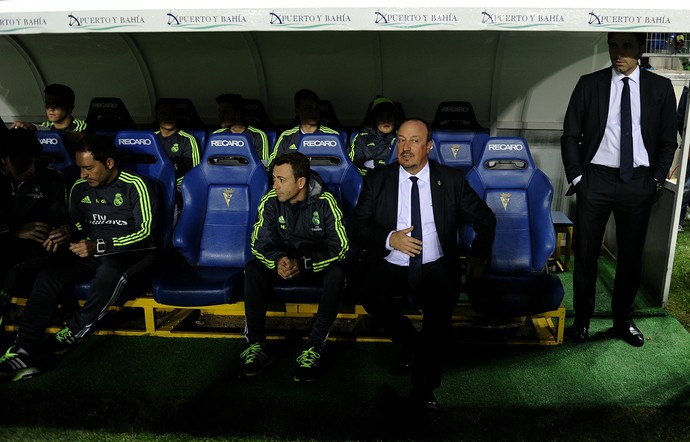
{"x": 679, "y": 293}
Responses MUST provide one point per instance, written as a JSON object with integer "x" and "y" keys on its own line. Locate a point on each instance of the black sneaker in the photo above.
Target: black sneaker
{"x": 63, "y": 341}
{"x": 255, "y": 360}
{"x": 17, "y": 364}
{"x": 307, "y": 365}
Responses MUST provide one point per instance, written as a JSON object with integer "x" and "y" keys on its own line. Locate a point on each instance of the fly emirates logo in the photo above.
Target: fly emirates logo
{"x": 100, "y": 220}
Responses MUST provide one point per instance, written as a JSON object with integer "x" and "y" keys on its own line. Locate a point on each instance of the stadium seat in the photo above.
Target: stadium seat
{"x": 520, "y": 195}
{"x": 55, "y": 154}
{"x": 255, "y": 114}
{"x": 456, "y": 115}
{"x": 141, "y": 152}
{"x": 108, "y": 115}
{"x": 459, "y": 149}
{"x": 189, "y": 117}
{"x": 221, "y": 198}
{"x": 329, "y": 160}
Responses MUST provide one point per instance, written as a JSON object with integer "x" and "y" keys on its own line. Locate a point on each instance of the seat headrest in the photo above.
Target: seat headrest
{"x": 109, "y": 113}
{"x": 255, "y": 114}
{"x": 226, "y": 151}
{"x": 54, "y": 149}
{"x": 139, "y": 143}
{"x": 455, "y": 115}
{"x": 459, "y": 149}
{"x": 506, "y": 162}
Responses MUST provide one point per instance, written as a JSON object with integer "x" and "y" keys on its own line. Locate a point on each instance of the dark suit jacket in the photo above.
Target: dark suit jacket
{"x": 585, "y": 121}
{"x": 454, "y": 201}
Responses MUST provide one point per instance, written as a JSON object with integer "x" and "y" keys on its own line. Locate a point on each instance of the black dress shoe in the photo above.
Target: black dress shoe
{"x": 424, "y": 399}
{"x": 628, "y": 332}
{"x": 579, "y": 332}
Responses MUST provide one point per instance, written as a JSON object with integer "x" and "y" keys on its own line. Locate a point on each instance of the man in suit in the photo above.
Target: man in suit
{"x": 619, "y": 139}
{"x": 403, "y": 257}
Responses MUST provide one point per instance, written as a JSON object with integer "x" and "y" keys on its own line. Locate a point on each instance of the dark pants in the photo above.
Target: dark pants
{"x": 259, "y": 282}
{"x": 20, "y": 260}
{"x": 599, "y": 194}
{"x": 54, "y": 282}
{"x": 385, "y": 287}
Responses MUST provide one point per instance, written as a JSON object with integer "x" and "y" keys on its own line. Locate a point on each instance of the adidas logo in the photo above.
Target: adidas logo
{"x": 86, "y": 200}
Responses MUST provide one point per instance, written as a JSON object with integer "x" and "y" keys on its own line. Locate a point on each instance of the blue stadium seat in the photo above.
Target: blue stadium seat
{"x": 108, "y": 115}
{"x": 329, "y": 159}
{"x": 459, "y": 149}
{"x": 221, "y": 198}
{"x": 141, "y": 152}
{"x": 456, "y": 115}
{"x": 520, "y": 195}
{"x": 55, "y": 154}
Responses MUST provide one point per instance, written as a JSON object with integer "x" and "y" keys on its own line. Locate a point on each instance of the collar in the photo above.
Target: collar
{"x": 634, "y": 76}
{"x": 423, "y": 175}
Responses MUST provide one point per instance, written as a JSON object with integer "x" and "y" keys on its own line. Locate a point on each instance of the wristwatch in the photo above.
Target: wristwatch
{"x": 307, "y": 262}
{"x": 100, "y": 245}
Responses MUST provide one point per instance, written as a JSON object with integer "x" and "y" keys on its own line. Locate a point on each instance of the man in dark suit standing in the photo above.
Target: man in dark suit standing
{"x": 619, "y": 139}
{"x": 406, "y": 223}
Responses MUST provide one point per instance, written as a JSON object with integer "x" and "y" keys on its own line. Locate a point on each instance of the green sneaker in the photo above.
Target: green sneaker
{"x": 308, "y": 365}
{"x": 63, "y": 341}
{"x": 255, "y": 360}
{"x": 17, "y": 364}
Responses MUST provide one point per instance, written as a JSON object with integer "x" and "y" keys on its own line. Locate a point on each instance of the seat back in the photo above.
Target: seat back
{"x": 221, "y": 198}
{"x": 255, "y": 114}
{"x": 189, "y": 118}
{"x": 329, "y": 160}
{"x": 520, "y": 195}
{"x": 456, "y": 115}
{"x": 142, "y": 152}
{"x": 109, "y": 115}
{"x": 459, "y": 149}
{"x": 55, "y": 154}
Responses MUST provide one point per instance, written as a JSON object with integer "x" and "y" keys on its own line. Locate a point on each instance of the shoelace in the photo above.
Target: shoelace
{"x": 308, "y": 358}
{"x": 63, "y": 334}
{"x": 8, "y": 355}
{"x": 251, "y": 353}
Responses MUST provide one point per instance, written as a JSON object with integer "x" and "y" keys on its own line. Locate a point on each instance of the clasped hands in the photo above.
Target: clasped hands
{"x": 41, "y": 232}
{"x": 287, "y": 268}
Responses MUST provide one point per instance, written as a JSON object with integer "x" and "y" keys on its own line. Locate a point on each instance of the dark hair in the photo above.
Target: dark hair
{"x": 424, "y": 122}
{"x": 101, "y": 147}
{"x": 235, "y": 100}
{"x": 641, "y": 37}
{"x": 64, "y": 94}
{"x": 298, "y": 161}
{"x": 16, "y": 143}
{"x": 304, "y": 94}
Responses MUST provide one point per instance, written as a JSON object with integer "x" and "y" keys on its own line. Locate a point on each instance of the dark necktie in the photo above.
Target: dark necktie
{"x": 414, "y": 276}
{"x": 626, "y": 161}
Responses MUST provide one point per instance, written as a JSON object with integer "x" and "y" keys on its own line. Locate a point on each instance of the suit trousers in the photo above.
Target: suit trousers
{"x": 385, "y": 291}
{"x": 600, "y": 193}
{"x": 53, "y": 285}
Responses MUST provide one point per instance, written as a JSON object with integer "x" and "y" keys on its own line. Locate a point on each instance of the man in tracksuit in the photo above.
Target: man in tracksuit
{"x": 34, "y": 219}
{"x": 307, "y": 112}
{"x": 113, "y": 211}
{"x": 298, "y": 236}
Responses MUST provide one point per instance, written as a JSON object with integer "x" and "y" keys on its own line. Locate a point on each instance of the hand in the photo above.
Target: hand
{"x": 287, "y": 268}
{"x": 475, "y": 267}
{"x": 83, "y": 248}
{"x": 34, "y": 231}
{"x": 23, "y": 125}
{"x": 56, "y": 237}
{"x": 409, "y": 245}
